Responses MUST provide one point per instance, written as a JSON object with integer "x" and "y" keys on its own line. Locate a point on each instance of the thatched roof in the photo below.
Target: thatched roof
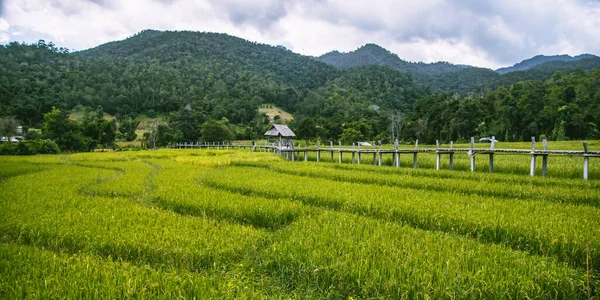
{"x": 277, "y": 130}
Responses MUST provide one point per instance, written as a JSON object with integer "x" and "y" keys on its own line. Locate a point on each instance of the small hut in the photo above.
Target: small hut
{"x": 281, "y": 131}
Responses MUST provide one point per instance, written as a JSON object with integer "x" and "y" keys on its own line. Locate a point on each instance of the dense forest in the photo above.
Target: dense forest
{"x": 208, "y": 87}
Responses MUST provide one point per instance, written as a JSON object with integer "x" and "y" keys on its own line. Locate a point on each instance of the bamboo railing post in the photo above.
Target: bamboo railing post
{"x": 353, "y": 153}
{"x": 292, "y": 144}
{"x": 396, "y": 155}
{"x": 586, "y": 161}
{"x": 340, "y": 151}
{"x": 451, "y": 156}
{"x": 492, "y": 146}
{"x": 532, "y": 168}
{"x": 472, "y": 154}
{"x": 438, "y": 159}
{"x": 545, "y": 159}
{"x": 359, "y": 153}
{"x": 331, "y": 148}
{"x": 415, "y": 154}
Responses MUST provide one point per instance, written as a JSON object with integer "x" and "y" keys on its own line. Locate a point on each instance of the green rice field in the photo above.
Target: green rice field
{"x": 229, "y": 224}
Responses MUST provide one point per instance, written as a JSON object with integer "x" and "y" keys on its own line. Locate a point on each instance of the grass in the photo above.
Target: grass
{"x": 236, "y": 224}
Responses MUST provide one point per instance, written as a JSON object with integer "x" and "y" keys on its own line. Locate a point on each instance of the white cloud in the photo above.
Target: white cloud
{"x": 484, "y": 33}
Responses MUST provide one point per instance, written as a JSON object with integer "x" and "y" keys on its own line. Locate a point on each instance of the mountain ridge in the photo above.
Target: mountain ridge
{"x": 541, "y": 59}
{"x": 371, "y": 53}
{"x": 374, "y": 54}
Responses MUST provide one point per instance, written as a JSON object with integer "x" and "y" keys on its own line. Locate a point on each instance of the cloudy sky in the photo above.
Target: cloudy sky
{"x": 492, "y": 33}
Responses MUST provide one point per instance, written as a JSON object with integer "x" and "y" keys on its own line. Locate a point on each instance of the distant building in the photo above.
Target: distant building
{"x": 281, "y": 131}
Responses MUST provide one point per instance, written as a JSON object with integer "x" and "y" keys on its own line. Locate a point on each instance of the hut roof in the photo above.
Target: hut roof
{"x": 277, "y": 130}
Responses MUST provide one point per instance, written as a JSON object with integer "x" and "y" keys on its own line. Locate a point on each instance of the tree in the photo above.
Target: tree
{"x": 150, "y": 138}
{"x": 216, "y": 131}
{"x": 351, "y": 135}
{"x": 396, "y": 121}
{"x": 8, "y": 127}
{"x": 66, "y": 133}
{"x": 164, "y": 135}
{"x": 127, "y": 129}
{"x": 106, "y": 133}
{"x": 187, "y": 121}
{"x": 307, "y": 129}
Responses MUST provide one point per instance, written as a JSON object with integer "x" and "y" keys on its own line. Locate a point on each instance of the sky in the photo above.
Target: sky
{"x": 492, "y": 33}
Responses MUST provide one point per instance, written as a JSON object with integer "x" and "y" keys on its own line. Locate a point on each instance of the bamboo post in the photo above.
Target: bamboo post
{"x": 279, "y": 147}
{"x": 492, "y": 146}
{"x": 318, "y": 151}
{"x": 451, "y": 156}
{"x": 331, "y": 148}
{"x": 533, "y": 157}
{"x": 292, "y": 143}
{"x": 380, "y": 158}
{"x": 545, "y": 159}
{"x": 397, "y": 161}
{"x": 358, "y": 154}
{"x": 395, "y": 154}
{"x": 305, "y": 155}
{"x": 586, "y": 161}
{"x": 415, "y": 154}
{"x": 353, "y": 153}
{"x": 438, "y": 159}
{"x": 375, "y": 158}
{"x": 472, "y": 154}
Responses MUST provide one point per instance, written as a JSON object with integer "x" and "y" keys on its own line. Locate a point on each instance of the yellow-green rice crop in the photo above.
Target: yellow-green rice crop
{"x": 489, "y": 185}
{"x": 542, "y": 227}
{"x": 240, "y": 224}
{"x": 178, "y": 187}
{"x": 342, "y": 256}
{"x": 46, "y": 210}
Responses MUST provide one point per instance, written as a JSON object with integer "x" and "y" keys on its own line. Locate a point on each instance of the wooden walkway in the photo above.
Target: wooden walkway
{"x": 357, "y": 153}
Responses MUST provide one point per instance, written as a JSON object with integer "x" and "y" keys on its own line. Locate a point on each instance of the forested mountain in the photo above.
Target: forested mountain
{"x": 461, "y": 79}
{"x": 479, "y": 80}
{"x": 371, "y": 54}
{"x": 213, "y": 52}
{"x": 157, "y": 72}
{"x": 541, "y": 59}
{"x": 208, "y": 86}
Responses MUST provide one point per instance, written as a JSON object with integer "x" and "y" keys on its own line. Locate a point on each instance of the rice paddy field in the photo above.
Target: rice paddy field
{"x": 238, "y": 224}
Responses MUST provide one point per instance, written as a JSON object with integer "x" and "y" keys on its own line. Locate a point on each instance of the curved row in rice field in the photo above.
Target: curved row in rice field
{"x": 238, "y": 224}
{"x": 497, "y": 185}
